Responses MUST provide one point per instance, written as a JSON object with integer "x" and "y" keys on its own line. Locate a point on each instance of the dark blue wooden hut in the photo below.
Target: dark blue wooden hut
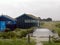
{"x": 26, "y": 21}
{"x": 8, "y": 22}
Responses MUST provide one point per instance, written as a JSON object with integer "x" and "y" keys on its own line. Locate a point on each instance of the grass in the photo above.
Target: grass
{"x": 52, "y": 43}
{"x": 22, "y": 41}
{"x": 51, "y": 26}
{"x": 17, "y": 37}
{"x": 17, "y": 33}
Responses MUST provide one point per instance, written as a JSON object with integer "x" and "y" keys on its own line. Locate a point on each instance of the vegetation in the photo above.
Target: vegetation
{"x": 22, "y": 41}
{"x": 52, "y": 43}
{"x": 58, "y": 25}
{"x": 17, "y": 33}
{"x": 48, "y": 19}
{"x": 53, "y": 26}
{"x": 16, "y": 37}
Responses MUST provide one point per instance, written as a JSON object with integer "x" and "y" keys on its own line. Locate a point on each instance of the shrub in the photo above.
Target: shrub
{"x": 22, "y": 33}
{"x": 58, "y": 25}
{"x": 8, "y": 35}
{"x": 17, "y": 33}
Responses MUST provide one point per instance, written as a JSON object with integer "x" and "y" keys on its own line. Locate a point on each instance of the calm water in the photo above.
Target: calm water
{"x": 42, "y": 33}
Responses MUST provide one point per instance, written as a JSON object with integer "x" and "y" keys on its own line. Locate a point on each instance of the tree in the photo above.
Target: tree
{"x": 49, "y": 19}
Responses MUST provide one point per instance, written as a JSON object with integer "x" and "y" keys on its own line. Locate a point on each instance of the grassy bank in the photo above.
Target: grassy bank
{"x": 22, "y": 41}
{"x": 51, "y": 26}
{"x": 17, "y": 33}
{"x": 16, "y": 37}
{"x": 52, "y": 43}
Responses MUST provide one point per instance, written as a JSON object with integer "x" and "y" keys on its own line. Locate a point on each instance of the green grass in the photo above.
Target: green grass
{"x": 51, "y": 26}
{"x": 17, "y": 37}
{"x": 15, "y": 42}
{"x": 52, "y": 43}
{"x": 17, "y": 33}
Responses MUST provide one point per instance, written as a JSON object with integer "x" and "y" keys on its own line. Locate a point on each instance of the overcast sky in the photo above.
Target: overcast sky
{"x": 39, "y": 8}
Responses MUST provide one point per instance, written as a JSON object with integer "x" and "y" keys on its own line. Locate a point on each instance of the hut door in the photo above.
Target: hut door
{"x": 2, "y": 25}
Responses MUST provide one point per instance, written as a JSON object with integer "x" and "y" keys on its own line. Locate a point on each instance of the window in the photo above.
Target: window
{"x": 30, "y": 21}
{"x": 9, "y": 22}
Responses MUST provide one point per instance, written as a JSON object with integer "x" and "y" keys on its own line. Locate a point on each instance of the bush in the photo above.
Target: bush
{"x": 22, "y": 33}
{"x": 8, "y": 35}
{"x": 17, "y": 33}
{"x": 58, "y": 25}
{"x": 56, "y": 39}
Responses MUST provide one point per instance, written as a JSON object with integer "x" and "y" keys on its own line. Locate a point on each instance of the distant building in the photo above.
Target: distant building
{"x": 7, "y": 22}
{"x": 27, "y": 21}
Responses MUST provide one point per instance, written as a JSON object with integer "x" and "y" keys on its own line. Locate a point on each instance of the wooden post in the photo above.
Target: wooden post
{"x": 28, "y": 37}
{"x": 49, "y": 39}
